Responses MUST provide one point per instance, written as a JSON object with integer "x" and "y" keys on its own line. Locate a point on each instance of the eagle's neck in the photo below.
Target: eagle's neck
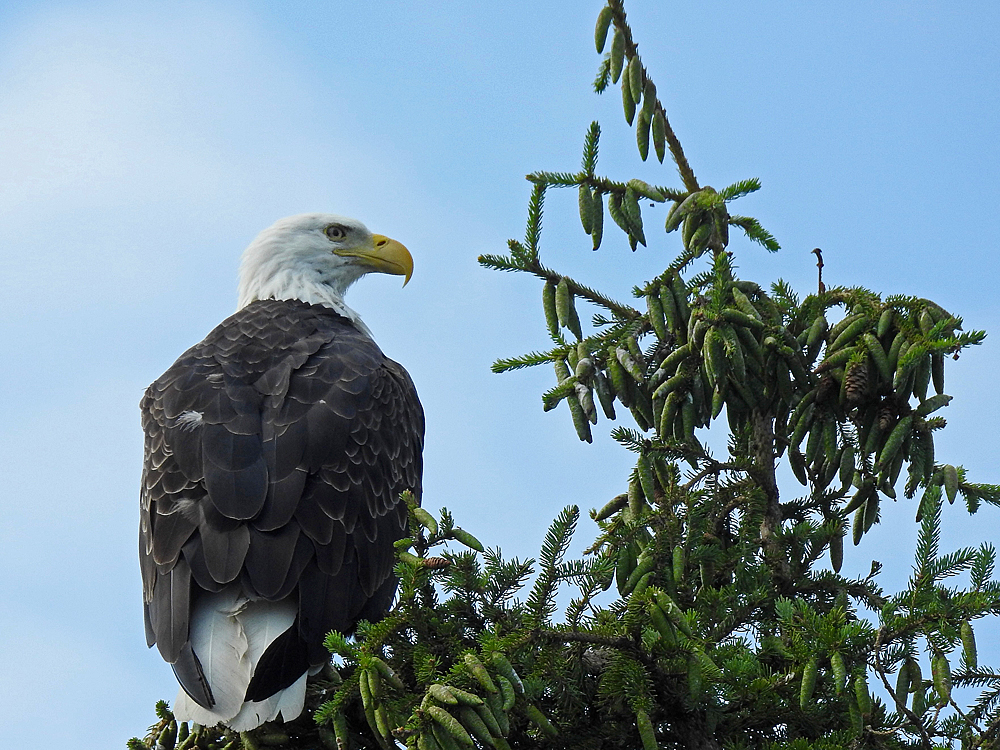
{"x": 272, "y": 274}
{"x": 304, "y": 291}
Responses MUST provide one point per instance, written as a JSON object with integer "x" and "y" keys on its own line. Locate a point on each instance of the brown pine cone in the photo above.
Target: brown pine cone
{"x": 826, "y": 389}
{"x": 886, "y": 416}
{"x": 436, "y": 563}
{"x": 856, "y": 382}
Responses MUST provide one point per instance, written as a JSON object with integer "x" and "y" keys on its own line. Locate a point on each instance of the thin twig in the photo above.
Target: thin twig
{"x": 819, "y": 265}
{"x": 579, "y": 290}
{"x": 576, "y": 636}
{"x": 901, "y": 705}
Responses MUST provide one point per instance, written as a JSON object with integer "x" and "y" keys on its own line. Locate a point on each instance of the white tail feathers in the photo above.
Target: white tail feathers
{"x": 287, "y": 702}
{"x": 229, "y": 633}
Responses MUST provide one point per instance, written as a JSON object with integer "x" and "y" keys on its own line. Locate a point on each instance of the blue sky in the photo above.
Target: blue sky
{"x": 143, "y": 146}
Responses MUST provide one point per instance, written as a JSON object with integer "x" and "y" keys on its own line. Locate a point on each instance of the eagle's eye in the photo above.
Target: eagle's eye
{"x": 335, "y": 232}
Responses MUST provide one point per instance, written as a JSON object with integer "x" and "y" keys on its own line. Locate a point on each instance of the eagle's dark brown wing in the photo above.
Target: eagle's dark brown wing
{"x": 276, "y": 451}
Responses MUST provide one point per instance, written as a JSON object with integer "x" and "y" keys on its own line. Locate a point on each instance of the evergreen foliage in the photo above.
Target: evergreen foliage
{"x": 732, "y": 626}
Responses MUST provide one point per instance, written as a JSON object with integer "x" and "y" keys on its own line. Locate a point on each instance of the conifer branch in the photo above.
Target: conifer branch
{"x": 590, "y": 149}
{"x": 740, "y": 189}
{"x": 676, "y": 151}
{"x": 755, "y": 232}
{"x": 506, "y": 364}
{"x": 592, "y": 295}
{"x": 599, "y": 184}
{"x": 540, "y": 602}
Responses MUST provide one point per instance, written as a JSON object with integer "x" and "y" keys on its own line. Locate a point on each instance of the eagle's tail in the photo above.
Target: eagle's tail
{"x": 228, "y": 635}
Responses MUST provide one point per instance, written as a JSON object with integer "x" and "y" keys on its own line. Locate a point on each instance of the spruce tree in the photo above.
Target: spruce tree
{"x": 726, "y": 622}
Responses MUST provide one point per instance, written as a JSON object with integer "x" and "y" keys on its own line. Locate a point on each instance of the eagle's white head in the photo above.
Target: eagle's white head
{"x": 315, "y": 258}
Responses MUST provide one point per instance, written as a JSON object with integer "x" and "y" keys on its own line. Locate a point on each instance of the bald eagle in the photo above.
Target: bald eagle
{"x": 275, "y": 454}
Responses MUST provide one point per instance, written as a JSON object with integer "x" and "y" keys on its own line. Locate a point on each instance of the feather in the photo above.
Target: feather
{"x": 284, "y": 661}
{"x": 171, "y": 532}
{"x": 270, "y": 557}
{"x": 229, "y": 634}
{"x": 224, "y": 551}
{"x": 168, "y": 610}
{"x": 316, "y": 524}
{"x": 287, "y": 702}
{"x": 195, "y": 556}
{"x": 237, "y": 494}
{"x": 305, "y": 551}
{"x": 263, "y": 623}
{"x": 190, "y": 675}
{"x": 218, "y": 641}
{"x": 228, "y": 450}
{"x": 284, "y": 448}
{"x": 330, "y": 556}
{"x": 282, "y": 501}
{"x": 187, "y": 448}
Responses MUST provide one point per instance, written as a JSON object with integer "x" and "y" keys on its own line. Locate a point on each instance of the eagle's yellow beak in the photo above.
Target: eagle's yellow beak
{"x": 383, "y": 255}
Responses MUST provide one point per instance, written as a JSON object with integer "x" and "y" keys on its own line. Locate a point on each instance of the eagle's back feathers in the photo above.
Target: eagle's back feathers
{"x": 276, "y": 451}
